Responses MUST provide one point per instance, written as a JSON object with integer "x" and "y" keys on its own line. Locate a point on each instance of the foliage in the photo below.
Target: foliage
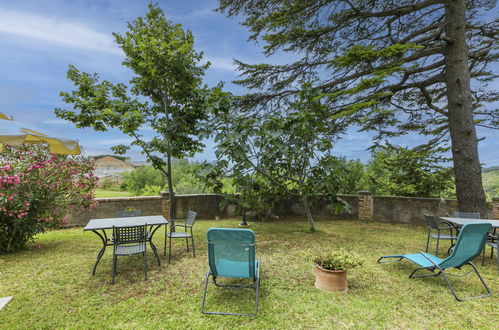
{"x": 367, "y": 50}
{"x": 148, "y": 181}
{"x": 398, "y": 171}
{"x": 491, "y": 181}
{"x": 141, "y": 177}
{"x": 338, "y": 260}
{"x": 278, "y": 154}
{"x": 165, "y": 94}
{"x": 38, "y": 189}
{"x": 393, "y": 67}
{"x": 99, "y": 193}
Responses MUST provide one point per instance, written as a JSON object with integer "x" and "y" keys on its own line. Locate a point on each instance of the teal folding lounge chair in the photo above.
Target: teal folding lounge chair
{"x": 469, "y": 244}
{"x": 231, "y": 253}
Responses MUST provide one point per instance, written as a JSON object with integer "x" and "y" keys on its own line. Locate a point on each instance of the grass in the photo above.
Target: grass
{"x": 53, "y": 287}
{"x": 99, "y": 193}
{"x": 491, "y": 182}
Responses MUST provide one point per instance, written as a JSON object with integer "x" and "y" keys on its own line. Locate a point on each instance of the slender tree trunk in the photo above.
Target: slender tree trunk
{"x": 310, "y": 219}
{"x": 467, "y": 169}
{"x": 171, "y": 209}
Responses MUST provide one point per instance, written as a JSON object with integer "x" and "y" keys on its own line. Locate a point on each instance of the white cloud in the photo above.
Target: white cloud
{"x": 113, "y": 142}
{"x": 223, "y": 63}
{"x": 56, "y": 31}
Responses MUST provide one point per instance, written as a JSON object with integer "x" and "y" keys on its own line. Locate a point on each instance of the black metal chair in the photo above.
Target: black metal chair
{"x": 492, "y": 239}
{"x": 439, "y": 225}
{"x": 137, "y": 213}
{"x": 187, "y": 225}
{"x": 128, "y": 213}
{"x": 467, "y": 215}
{"x": 129, "y": 241}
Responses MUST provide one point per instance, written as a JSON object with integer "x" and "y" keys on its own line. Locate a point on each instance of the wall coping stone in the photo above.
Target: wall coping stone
{"x": 121, "y": 199}
{"x": 415, "y": 198}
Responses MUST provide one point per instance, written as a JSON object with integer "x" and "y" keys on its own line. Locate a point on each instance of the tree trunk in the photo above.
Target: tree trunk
{"x": 467, "y": 169}
{"x": 310, "y": 219}
{"x": 171, "y": 209}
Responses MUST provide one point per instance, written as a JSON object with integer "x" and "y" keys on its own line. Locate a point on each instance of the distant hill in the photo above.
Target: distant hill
{"x": 490, "y": 177}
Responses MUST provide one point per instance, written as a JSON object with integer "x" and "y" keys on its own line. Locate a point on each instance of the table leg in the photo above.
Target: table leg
{"x": 101, "y": 252}
{"x": 153, "y": 247}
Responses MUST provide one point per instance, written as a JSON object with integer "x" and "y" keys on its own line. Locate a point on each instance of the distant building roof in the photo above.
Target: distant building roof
{"x": 123, "y": 158}
{"x": 139, "y": 163}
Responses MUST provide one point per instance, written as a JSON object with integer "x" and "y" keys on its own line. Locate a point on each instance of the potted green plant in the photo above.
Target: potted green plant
{"x": 331, "y": 269}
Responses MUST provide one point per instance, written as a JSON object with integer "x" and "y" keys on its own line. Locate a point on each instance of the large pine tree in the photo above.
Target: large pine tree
{"x": 393, "y": 66}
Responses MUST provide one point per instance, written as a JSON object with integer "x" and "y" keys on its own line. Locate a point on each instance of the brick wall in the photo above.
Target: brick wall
{"x": 365, "y": 205}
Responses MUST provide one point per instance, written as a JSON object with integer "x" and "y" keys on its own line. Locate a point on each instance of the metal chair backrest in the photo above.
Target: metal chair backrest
{"x": 129, "y": 235}
{"x": 469, "y": 244}
{"x": 128, "y": 213}
{"x": 189, "y": 219}
{"x": 430, "y": 219}
{"x": 467, "y": 215}
{"x": 231, "y": 252}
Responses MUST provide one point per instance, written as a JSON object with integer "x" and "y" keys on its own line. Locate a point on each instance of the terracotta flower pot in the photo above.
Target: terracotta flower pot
{"x": 330, "y": 280}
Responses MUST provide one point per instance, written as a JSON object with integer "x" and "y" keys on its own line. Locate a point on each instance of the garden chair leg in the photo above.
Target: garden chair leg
{"x": 114, "y": 267}
{"x": 164, "y": 246}
{"x": 192, "y": 242}
{"x": 187, "y": 243}
{"x": 145, "y": 266}
{"x": 169, "y": 250}
{"x": 428, "y": 241}
{"x": 205, "y": 289}
{"x": 467, "y": 298}
{"x": 483, "y": 256}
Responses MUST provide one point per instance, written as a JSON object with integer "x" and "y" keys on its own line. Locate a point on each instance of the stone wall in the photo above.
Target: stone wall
{"x": 364, "y": 206}
{"x": 108, "y": 207}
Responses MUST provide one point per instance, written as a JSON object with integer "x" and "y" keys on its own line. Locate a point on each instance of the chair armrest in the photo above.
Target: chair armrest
{"x": 424, "y": 255}
{"x": 447, "y": 224}
{"x": 185, "y": 226}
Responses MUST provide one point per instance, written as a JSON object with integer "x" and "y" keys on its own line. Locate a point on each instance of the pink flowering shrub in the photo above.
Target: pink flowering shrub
{"x": 37, "y": 189}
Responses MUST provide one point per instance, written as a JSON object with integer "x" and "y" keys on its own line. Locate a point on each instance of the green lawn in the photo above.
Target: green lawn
{"x": 53, "y": 287}
{"x": 99, "y": 193}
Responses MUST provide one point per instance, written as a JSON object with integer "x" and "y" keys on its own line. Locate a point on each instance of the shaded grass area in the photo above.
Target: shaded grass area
{"x": 53, "y": 287}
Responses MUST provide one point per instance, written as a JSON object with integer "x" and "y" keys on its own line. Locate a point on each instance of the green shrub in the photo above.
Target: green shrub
{"x": 338, "y": 260}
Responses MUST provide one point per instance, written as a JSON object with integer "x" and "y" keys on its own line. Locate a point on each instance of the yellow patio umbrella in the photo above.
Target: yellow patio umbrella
{"x": 16, "y": 133}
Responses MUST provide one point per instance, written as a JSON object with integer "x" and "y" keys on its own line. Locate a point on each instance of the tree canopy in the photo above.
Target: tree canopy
{"x": 165, "y": 94}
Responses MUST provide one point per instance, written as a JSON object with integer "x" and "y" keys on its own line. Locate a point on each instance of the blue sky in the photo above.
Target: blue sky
{"x": 39, "y": 39}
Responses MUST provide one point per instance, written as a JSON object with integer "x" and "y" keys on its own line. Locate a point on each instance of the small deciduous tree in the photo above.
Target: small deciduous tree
{"x": 37, "y": 190}
{"x": 166, "y": 93}
{"x": 280, "y": 153}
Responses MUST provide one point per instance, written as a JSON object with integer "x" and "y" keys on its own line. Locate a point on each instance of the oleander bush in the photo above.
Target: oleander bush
{"x": 38, "y": 189}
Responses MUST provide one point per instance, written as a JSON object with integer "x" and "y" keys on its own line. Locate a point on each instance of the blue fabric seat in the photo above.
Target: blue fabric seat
{"x": 469, "y": 245}
{"x": 231, "y": 253}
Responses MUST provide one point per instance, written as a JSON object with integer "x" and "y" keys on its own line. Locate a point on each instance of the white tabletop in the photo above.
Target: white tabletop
{"x": 108, "y": 223}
